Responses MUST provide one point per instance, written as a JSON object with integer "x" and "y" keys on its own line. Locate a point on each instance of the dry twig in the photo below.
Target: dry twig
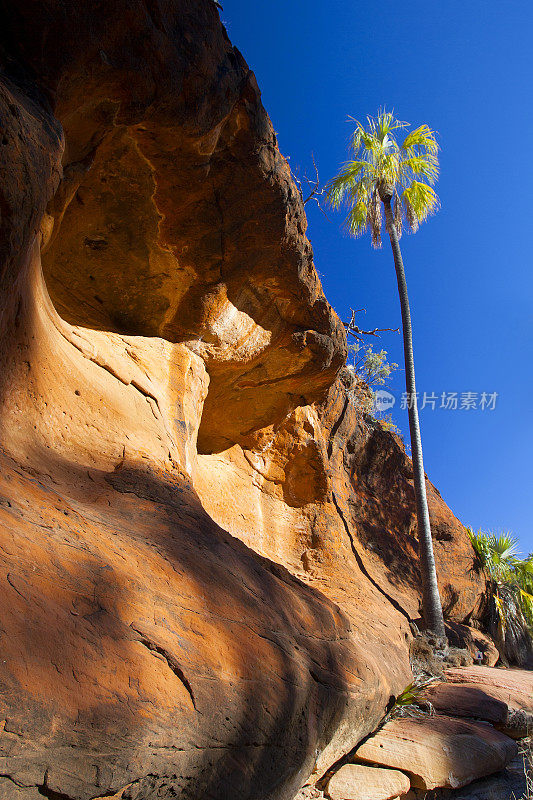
{"x": 358, "y": 333}
{"x": 315, "y": 191}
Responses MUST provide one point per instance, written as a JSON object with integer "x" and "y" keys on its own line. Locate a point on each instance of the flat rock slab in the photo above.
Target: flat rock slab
{"x": 508, "y": 784}
{"x": 512, "y": 686}
{"x": 479, "y": 702}
{"x": 439, "y": 751}
{"x": 359, "y": 782}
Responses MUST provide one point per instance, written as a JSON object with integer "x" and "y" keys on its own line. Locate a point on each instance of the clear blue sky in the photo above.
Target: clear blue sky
{"x": 465, "y": 68}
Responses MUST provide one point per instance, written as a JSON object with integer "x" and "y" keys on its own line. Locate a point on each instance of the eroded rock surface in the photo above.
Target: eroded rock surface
{"x": 511, "y": 686}
{"x": 479, "y": 702}
{"x": 439, "y": 751}
{"x": 359, "y": 782}
{"x": 507, "y": 784}
{"x": 208, "y": 554}
{"x": 476, "y": 642}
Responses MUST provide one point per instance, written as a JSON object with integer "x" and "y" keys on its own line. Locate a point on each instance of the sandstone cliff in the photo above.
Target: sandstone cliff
{"x": 208, "y": 555}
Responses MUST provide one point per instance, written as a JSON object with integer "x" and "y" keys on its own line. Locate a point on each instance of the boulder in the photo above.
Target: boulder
{"x": 511, "y": 686}
{"x": 359, "y": 782}
{"x": 439, "y": 751}
{"x": 478, "y": 702}
{"x": 508, "y": 784}
{"x": 474, "y": 641}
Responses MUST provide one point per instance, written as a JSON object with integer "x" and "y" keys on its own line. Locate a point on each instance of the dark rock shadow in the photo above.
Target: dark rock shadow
{"x": 256, "y": 722}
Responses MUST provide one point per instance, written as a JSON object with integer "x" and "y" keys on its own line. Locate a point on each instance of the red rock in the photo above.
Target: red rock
{"x": 439, "y": 751}
{"x": 207, "y": 553}
{"x": 372, "y": 482}
{"x": 468, "y": 700}
{"x": 513, "y": 687}
{"x": 359, "y": 782}
{"x": 474, "y": 641}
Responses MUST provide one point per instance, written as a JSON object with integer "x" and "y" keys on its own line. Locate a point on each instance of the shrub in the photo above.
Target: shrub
{"x": 371, "y": 368}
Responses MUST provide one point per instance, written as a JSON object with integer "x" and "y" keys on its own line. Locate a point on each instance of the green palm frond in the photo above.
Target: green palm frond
{"x": 524, "y": 573}
{"x": 479, "y": 542}
{"x": 420, "y": 201}
{"x": 497, "y": 555}
{"x": 412, "y": 702}
{"x": 422, "y": 138}
{"x": 509, "y": 579}
{"x": 356, "y": 221}
{"x": 383, "y": 123}
{"x": 426, "y": 165}
{"x": 504, "y": 547}
{"x": 410, "y": 168}
{"x": 524, "y": 568}
{"x": 527, "y": 606}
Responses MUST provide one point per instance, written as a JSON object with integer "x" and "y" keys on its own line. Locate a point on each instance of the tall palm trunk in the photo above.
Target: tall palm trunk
{"x": 431, "y": 604}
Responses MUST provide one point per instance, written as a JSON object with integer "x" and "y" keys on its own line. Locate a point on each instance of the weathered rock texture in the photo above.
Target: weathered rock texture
{"x": 512, "y": 686}
{"x": 208, "y": 555}
{"x": 506, "y": 708}
{"x": 507, "y": 784}
{"x": 359, "y": 782}
{"x": 474, "y": 641}
{"x": 439, "y": 751}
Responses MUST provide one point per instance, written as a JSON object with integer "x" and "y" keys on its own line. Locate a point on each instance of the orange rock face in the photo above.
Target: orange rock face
{"x": 469, "y": 700}
{"x": 208, "y": 556}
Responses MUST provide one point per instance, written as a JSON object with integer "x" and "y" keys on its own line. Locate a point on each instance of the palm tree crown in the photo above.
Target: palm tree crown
{"x": 496, "y": 555}
{"x": 506, "y": 609}
{"x": 406, "y": 172}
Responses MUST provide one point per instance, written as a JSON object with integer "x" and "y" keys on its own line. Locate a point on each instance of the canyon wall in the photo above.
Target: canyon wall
{"x": 208, "y": 554}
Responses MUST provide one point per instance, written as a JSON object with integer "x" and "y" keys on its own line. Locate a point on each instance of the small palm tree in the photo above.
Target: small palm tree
{"x": 385, "y": 178}
{"x": 507, "y": 607}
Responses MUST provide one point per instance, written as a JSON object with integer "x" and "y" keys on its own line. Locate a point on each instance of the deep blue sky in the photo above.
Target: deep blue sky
{"x": 465, "y": 68}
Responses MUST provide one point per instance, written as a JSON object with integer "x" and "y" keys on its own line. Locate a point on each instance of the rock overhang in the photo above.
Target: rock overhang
{"x": 176, "y": 215}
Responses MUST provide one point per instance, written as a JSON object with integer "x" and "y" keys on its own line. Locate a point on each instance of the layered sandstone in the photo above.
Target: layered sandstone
{"x": 439, "y": 751}
{"x": 208, "y": 553}
{"x": 359, "y": 782}
{"x": 511, "y": 686}
{"x": 507, "y": 704}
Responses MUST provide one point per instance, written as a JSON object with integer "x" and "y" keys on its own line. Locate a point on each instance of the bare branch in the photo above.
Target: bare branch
{"x": 358, "y": 332}
{"x": 314, "y": 185}
{"x": 316, "y": 192}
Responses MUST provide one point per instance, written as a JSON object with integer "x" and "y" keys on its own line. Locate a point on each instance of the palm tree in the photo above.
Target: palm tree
{"x": 396, "y": 179}
{"x": 507, "y": 605}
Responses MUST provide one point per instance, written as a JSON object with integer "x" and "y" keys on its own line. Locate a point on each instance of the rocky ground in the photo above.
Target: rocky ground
{"x": 471, "y": 742}
{"x": 508, "y": 784}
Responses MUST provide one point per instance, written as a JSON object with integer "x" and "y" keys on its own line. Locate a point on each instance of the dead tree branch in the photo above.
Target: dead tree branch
{"x": 358, "y": 332}
{"x": 315, "y": 191}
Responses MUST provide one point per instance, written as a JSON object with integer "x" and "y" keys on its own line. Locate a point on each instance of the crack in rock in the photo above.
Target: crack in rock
{"x": 361, "y": 565}
{"x": 169, "y": 658}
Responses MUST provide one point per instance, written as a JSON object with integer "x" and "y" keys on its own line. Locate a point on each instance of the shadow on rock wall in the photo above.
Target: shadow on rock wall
{"x": 140, "y": 611}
